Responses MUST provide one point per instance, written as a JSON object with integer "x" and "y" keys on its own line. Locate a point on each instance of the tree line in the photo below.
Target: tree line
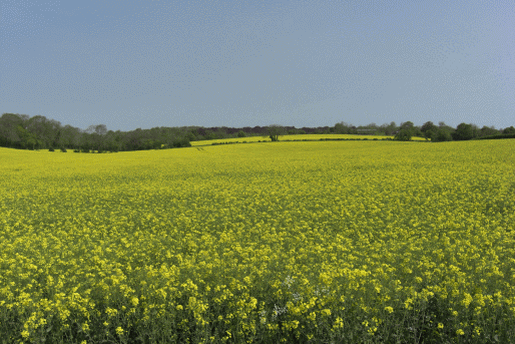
{"x": 38, "y": 132}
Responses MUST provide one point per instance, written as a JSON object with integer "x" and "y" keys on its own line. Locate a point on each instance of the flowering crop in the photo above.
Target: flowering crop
{"x": 335, "y": 241}
{"x": 298, "y": 137}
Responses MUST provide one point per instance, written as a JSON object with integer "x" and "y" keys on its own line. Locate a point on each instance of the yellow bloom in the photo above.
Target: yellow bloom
{"x": 326, "y": 312}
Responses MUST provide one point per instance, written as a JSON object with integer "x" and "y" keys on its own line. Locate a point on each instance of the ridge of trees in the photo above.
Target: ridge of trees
{"x": 38, "y": 132}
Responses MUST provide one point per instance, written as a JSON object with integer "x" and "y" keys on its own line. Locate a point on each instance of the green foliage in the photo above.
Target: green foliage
{"x": 403, "y": 135}
{"x": 488, "y": 131}
{"x": 465, "y": 132}
{"x": 428, "y": 129}
{"x": 38, "y": 132}
{"x": 389, "y": 129}
{"x": 406, "y": 131}
{"x": 274, "y": 131}
{"x": 441, "y": 135}
{"x": 497, "y": 137}
{"x": 342, "y": 128}
{"x": 184, "y": 142}
{"x": 510, "y": 130}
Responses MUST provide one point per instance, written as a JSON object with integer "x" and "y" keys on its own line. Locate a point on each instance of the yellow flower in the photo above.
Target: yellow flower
{"x": 326, "y": 312}
{"x": 338, "y": 323}
{"x": 119, "y": 331}
{"x": 460, "y": 332}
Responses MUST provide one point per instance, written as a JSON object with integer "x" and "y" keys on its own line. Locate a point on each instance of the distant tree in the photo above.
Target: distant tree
{"x": 274, "y": 131}
{"x": 488, "y": 131}
{"x": 210, "y": 135}
{"x": 510, "y": 130}
{"x": 428, "y": 126}
{"x": 403, "y": 135}
{"x": 44, "y": 130}
{"x": 70, "y": 137}
{"x": 441, "y": 134}
{"x": 389, "y": 129}
{"x": 9, "y": 133}
{"x": 428, "y": 129}
{"x": 444, "y": 133}
{"x": 22, "y": 131}
{"x": 100, "y": 129}
{"x": 113, "y": 141}
{"x": 191, "y": 135}
{"x": 464, "y": 132}
{"x": 406, "y": 131}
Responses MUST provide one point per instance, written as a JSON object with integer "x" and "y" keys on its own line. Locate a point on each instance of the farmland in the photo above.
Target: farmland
{"x": 297, "y": 137}
{"x": 311, "y": 242}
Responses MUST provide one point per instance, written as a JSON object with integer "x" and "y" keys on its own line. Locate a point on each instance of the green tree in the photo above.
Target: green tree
{"x": 9, "y": 136}
{"x": 403, "y": 135}
{"x": 274, "y": 131}
{"x": 510, "y": 130}
{"x": 69, "y": 138}
{"x": 341, "y": 128}
{"x": 465, "y": 132}
{"x": 406, "y": 131}
{"x": 441, "y": 134}
{"x": 388, "y": 129}
{"x": 488, "y": 131}
{"x": 428, "y": 129}
{"x": 44, "y": 130}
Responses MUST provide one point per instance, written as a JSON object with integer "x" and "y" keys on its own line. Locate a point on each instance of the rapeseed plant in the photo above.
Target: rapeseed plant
{"x": 308, "y": 242}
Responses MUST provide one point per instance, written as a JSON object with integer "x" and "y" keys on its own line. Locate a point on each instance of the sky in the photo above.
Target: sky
{"x": 143, "y": 63}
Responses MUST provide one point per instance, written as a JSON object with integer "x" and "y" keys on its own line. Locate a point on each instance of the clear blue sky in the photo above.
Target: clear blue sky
{"x": 142, "y": 63}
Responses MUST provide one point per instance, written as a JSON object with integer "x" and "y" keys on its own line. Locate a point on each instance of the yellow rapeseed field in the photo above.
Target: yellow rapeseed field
{"x": 297, "y": 137}
{"x": 310, "y": 242}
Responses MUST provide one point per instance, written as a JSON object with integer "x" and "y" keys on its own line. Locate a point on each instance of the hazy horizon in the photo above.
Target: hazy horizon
{"x": 142, "y": 64}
